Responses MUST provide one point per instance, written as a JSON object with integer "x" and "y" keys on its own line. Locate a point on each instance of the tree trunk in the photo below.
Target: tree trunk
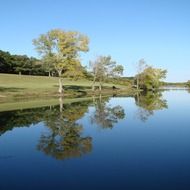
{"x": 93, "y": 99}
{"x": 100, "y": 86}
{"x": 93, "y": 84}
{"x": 60, "y": 83}
{"x": 137, "y": 83}
{"x": 60, "y": 86}
{"x": 61, "y": 104}
{"x": 49, "y": 73}
{"x": 100, "y": 98}
{"x": 137, "y": 98}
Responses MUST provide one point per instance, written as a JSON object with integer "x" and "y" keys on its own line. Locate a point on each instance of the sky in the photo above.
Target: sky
{"x": 128, "y": 30}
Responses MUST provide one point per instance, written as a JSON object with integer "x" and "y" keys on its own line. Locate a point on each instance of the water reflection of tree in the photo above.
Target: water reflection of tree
{"x": 20, "y": 118}
{"x": 104, "y": 115}
{"x": 148, "y": 103}
{"x": 64, "y": 138}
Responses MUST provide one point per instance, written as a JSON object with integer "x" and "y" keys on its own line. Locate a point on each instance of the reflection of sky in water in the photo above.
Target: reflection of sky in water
{"x": 133, "y": 154}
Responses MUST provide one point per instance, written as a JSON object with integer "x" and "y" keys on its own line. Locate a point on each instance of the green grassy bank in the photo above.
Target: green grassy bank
{"x": 31, "y": 87}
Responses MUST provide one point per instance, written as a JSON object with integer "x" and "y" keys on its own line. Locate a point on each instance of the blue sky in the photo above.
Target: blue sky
{"x": 128, "y": 30}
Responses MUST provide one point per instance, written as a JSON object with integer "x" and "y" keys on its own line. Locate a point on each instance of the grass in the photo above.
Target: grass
{"x": 14, "y": 86}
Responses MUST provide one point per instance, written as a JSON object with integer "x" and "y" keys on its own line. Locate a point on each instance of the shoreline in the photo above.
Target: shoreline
{"x": 16, "y": 103}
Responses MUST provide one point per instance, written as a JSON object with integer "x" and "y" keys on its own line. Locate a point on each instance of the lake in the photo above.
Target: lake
{"x": 140, "y": 142}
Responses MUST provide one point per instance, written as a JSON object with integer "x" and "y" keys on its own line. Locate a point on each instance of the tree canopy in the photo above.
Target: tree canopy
{"x": 188, "y": 83}
{"x": 20, "y": 64}
{"x": 103, "y": 68}
{"x": 61, "y": 49}
{"x": 148, "y": 77}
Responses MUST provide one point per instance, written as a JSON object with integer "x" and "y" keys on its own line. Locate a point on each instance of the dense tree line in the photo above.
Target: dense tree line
{"x": 20, "y": 64}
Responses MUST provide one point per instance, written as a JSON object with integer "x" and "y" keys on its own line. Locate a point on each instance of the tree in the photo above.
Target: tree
{"x": 48, "y": 66}
{"x": 61, "y": 49}
{"x": 5, "y": 62}
{"x": 75, "y": 72}
{"x": 141, "y": 65}
{"x": 20, "y": 64}
{"x": 103, "y": 68}
{"x": 149, "y": 78}
{"x": 188, "y": 83}
{"x": 117, "y": 71}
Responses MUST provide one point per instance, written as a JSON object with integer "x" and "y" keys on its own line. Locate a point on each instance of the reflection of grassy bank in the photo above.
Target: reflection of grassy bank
{"x": 22, "y": 87}
{"x": 16, "y": 105}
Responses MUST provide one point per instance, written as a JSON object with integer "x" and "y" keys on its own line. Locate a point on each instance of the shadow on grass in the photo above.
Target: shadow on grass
{"x": 76, "y": 87}
{"x": 5, "y": 89}
{"x": 82, "y": 90}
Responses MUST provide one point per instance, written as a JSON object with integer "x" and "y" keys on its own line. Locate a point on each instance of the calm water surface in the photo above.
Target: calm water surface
{"x": 103, "y": 143}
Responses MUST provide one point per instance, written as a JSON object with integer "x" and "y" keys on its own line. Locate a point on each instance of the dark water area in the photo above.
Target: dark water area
{"x": 140, "y": 142}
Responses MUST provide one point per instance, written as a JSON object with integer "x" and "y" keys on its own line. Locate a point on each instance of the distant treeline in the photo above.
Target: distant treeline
{"x": 22, "y": 64}
{"x": 175, "y": 84}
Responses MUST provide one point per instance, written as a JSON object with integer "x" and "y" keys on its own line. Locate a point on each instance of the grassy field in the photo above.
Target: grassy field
{"x": 27, "y": 87}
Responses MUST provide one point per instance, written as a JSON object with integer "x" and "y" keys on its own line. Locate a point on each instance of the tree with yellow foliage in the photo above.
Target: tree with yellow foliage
{"x": 62, "y": 50}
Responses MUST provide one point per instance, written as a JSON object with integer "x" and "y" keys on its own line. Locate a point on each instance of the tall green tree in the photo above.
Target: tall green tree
{"x": 61, "y": 49}
{"x": 5, "y": 62}
{"x": 188, "y": 83}
{"x": 141, "y": 65}
{"x": 20, "y": 64}
{"x": 103, "y": 68}
{"x": 148, "y": 77}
